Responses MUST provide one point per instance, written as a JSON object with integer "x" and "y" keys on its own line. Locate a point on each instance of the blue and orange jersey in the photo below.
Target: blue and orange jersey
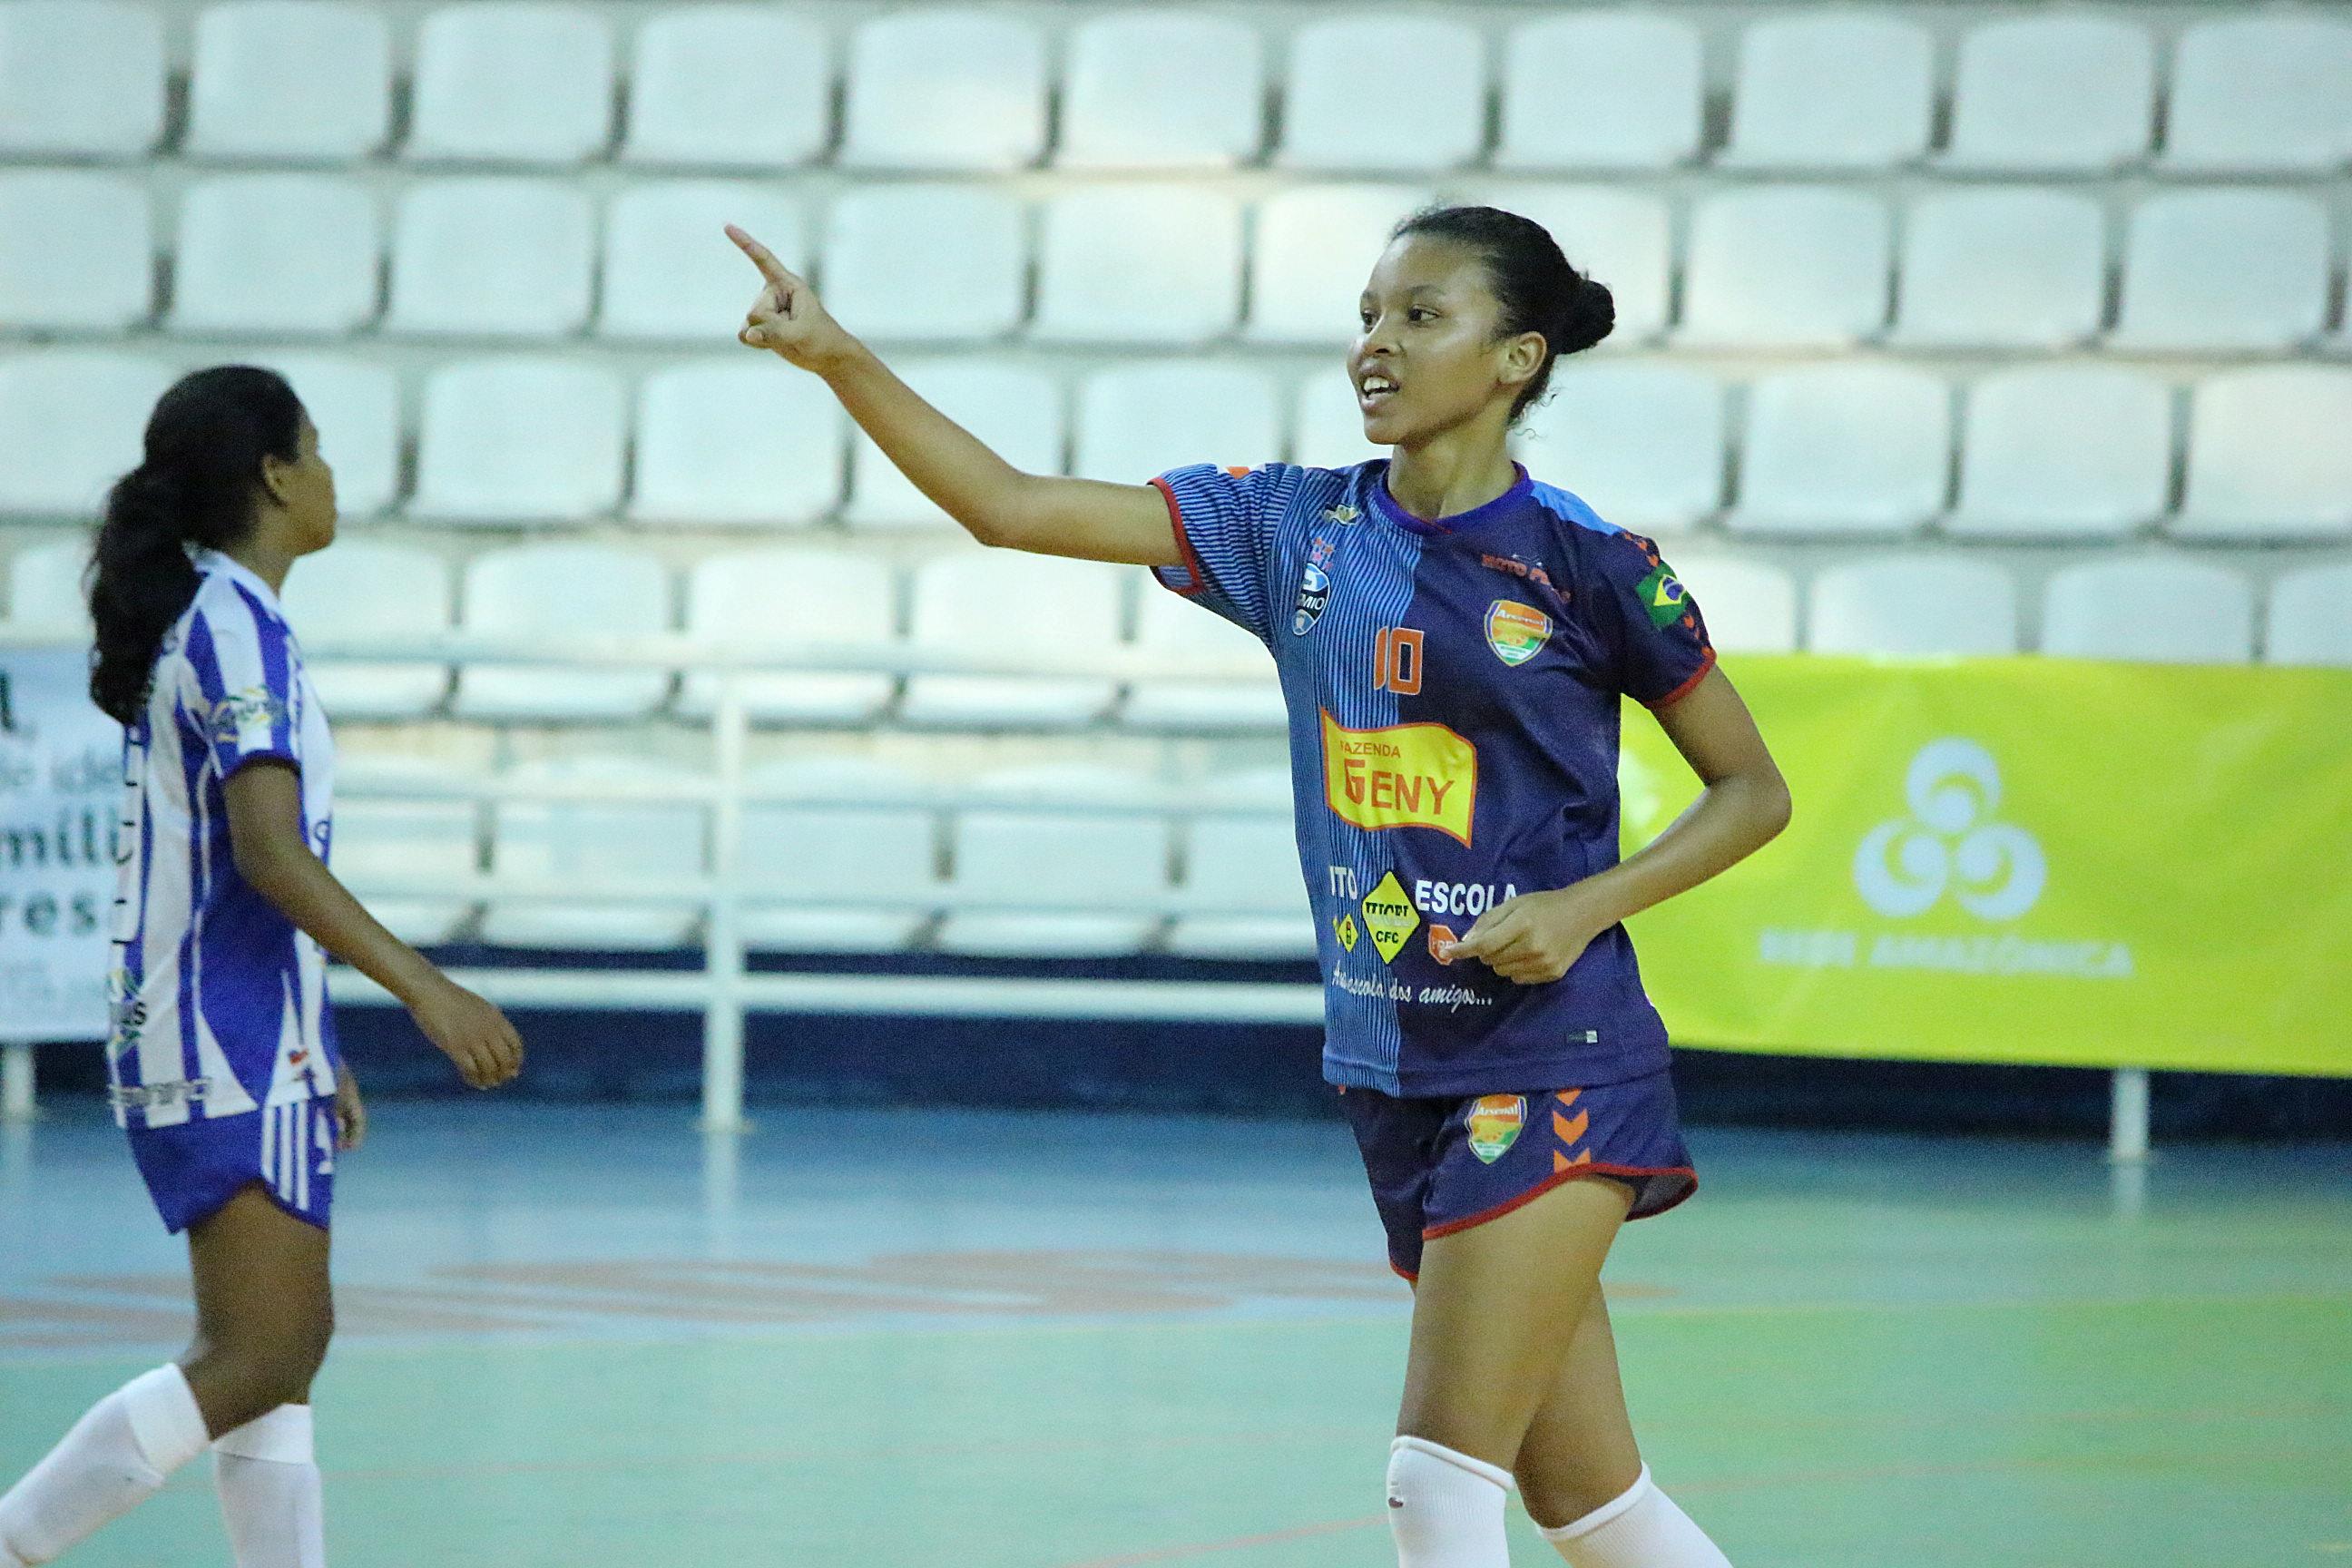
{"x": 1454, "y": 691}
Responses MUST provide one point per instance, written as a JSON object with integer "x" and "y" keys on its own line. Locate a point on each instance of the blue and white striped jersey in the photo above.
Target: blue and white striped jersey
{"x": 219, "y": 1004}
{"x": 1454, "y": 691}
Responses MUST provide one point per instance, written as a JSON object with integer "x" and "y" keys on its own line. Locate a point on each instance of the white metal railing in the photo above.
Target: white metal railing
{"x": 724, "y": 989}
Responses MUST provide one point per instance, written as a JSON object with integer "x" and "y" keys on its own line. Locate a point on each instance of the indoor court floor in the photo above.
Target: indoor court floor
{"x": 893, "y": 1339}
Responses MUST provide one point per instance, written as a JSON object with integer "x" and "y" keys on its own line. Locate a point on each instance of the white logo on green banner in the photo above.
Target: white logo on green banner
{"x": 1995, "y": 870}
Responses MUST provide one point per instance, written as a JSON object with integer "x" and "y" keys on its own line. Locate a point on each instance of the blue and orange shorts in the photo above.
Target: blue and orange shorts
{"x": 1442, "y": 1166}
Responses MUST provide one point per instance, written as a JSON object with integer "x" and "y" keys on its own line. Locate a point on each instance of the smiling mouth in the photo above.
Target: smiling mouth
{"x": 1374, "y": 391}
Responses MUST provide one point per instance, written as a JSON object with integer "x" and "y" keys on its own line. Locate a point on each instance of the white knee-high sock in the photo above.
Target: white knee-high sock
{"x": 267, "y": 1472}
{"x": 1641, "y": 1528}
{"x": 114, "y": 1459}
{"x": 1446, "y": 1509}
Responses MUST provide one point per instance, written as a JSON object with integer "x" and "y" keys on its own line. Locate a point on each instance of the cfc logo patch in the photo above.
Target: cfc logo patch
{"x": 1494, "y": 1123}
{"x": 1389, "y": 917}
{"x": 1405, "y": 775}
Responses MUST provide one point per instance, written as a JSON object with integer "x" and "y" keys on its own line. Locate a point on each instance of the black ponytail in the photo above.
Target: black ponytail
{"x": 1533, "y": 283}
{"x": 195, "y": 485}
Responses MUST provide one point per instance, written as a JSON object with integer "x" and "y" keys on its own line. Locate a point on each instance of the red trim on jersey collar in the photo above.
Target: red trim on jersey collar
{"x": 1394, "y": 511}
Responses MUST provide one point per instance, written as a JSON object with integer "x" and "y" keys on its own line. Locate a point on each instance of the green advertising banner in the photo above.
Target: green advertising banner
{"x": 2033, "y": 860}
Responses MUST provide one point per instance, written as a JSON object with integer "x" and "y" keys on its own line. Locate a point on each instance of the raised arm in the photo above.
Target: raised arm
{"x": 996, "y": 503}
{"x": 274, "y": 857}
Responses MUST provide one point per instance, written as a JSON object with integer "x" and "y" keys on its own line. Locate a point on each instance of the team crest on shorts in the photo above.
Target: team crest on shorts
{"x": 1516, "y": 631}
{"x": 1494, "y": 1123}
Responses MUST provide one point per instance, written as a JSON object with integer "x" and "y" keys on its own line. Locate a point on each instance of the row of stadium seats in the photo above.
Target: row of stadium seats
{"x": 2061, "y": 450}
{"x": 845, "y": 856}
{"x": 975, "y": 88}
{"x": 302, "y": 255}
{"x": 1064, "y": 614}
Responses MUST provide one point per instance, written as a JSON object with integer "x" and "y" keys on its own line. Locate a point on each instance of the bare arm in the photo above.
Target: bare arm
{"x": 1535, "y": 937}
{"x": 995, "y": 502}
{"x": 274, "y": 857}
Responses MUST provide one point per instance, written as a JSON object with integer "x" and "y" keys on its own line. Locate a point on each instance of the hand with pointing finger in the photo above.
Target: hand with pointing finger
{"x": 787, "y": 318}
{"x": 1532, "y": 939}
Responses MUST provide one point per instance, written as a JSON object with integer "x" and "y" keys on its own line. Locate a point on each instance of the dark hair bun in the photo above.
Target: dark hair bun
{"x": 1587, "y": 315}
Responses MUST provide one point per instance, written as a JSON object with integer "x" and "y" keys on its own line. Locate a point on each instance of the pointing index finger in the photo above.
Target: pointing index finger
{"x": 773, "y": 271}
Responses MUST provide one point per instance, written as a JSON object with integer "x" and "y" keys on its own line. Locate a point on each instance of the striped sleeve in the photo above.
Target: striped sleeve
{"x": 1226, "y": 521}
{"x": 241, "y": 691}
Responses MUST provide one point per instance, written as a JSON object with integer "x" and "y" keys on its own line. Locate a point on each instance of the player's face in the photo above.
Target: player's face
{"x": 305, "y": 489}
{"x": 1426, "y": 358}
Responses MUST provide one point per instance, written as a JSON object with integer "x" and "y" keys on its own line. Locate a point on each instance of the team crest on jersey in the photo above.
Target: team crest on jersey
{"x": 1314, "y": 593}
{"x": 1662, "y": 596}
{"x": 1494, "y": 1123}
{"x": 1517, "y": 632}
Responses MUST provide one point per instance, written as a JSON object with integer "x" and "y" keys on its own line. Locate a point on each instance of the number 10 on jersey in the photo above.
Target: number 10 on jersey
{"x": 1396, "y": 659}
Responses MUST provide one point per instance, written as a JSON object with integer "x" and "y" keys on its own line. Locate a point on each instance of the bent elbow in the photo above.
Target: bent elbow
{"x": 1777, "y": 807}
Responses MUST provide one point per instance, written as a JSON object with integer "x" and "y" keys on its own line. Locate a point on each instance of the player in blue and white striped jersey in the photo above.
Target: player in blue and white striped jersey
{"x": 222, "y": 1054}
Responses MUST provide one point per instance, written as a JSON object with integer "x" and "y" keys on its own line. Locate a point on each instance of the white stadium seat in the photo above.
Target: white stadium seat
{"x": 44, "y": 593}
{"x": 1914, "y": 604}
{"x": 974, "y": 603}
{"x": 2153, "y": 609}
{"x": 1016, "y": 410}
{"x": 505, "y": 82}
{"x": 1643, "y": 443}
{"x": 1161, "y": 89}
{"x": 1624, "y": 238}
{"x": 1314, "y": 248}
{"x": 795, "y": 595}
{"x": 1832, "y": 89}
{"x": 1843, "y": 448}
{"x": 1328, "y": 427}
{"x": 2311, "y": 617}
{"x": 615, "y": 844}
{"x": 737, "y": 441}
{"x": 929, "y": 262}
{"x": 1246, "y": 869}
{"x": 355, "y": 404}
{"x": 2063, "y": 451}
{"x": 2052, "y": 95}
{"x": 492, "y": 257}
{"x": 291, "y": 81}
{"x": 363, "y": 589}
{"x": 2224, "y": 269}
{"x": 1034, "y": 850}
{"x": 1331, "y": 122}
{"x": 2270, "y": 455}
{"x": 1181, "y": 630}
{"x": 582, "y": 592}
{"x": 1140, "y": 420}
{"x": 1787, "y": 267}
{"x": 945, "y": 89}
{"x": 1635, "y": 80}
{"x": 2001, "y": 267}
{"x": 72, "y": 424}
{"x": 292, "y": 255}
{"x": 77, "y": 252}
{"x": 2261, "y": 94}
{"x": 1751, "y": 607}
{"x": 517, "y": 439}
{"x": 79, "y": 79}
{"x": 814, "y": 864}
{"x": 1139, "y": 264}
{"x": 729, "y": 87}
{"x": 670, "y": 272}
{"x": 378, "y": 838}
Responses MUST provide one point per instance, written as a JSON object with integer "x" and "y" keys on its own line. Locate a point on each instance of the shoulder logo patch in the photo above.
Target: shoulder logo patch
{"x": 1661, "y": 595}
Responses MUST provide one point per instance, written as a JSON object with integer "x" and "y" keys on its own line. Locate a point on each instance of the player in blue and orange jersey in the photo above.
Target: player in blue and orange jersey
{"x": 222, "y": 1057}
{"x": 1454, "y": 640}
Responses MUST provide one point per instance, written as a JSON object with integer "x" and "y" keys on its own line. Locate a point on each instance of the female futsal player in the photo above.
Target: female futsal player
{"x": 222, "y": 1054}
{"x": 1453, "y": 639}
